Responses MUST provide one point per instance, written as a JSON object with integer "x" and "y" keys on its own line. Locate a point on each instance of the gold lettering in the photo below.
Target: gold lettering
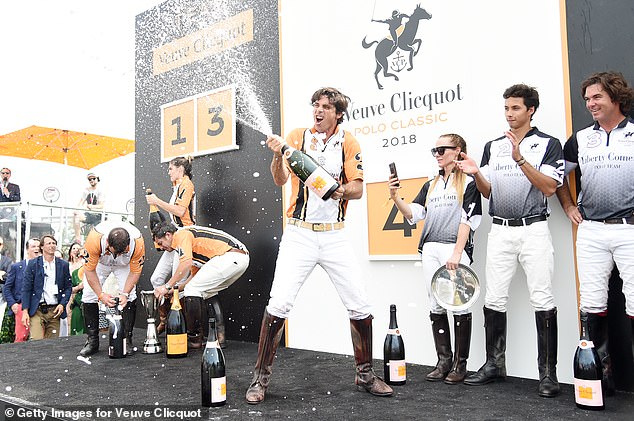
{"x": 221, "y": 36}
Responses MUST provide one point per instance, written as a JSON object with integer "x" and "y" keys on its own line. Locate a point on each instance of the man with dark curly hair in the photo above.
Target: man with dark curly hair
{"x": 603, "y": 153}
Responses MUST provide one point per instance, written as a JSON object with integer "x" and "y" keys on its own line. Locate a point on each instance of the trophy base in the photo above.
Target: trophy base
{"x": 153, "y": 347}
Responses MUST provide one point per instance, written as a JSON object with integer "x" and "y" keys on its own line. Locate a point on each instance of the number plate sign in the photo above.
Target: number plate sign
{"x": 199, "y": 125}
{"x": 389, "y": 235}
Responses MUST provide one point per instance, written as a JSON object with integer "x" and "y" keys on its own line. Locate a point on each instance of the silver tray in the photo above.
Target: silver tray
{"x": 456, "y": 289}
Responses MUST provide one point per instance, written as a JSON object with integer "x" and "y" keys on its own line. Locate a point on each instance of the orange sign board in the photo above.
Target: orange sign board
{"x": 389, "y": 235}
{"x": 199, "y": 125}
{"x": 178, "y": 134}
{"x": 216, "y": 113}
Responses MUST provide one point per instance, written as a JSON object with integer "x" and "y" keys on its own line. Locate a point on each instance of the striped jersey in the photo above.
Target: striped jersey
{"x": 606, "y": 163}
{"x": 185, "y": 196}
{"x": 442, "y": 211}
{"x": 340, "y": 156}
{"x": 513, "y": 196}
{"x": 200, "y": 244}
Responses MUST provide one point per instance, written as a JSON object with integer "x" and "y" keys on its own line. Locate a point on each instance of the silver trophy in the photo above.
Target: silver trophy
{"x": 151, "y": 305}
{"x": 456, "y": 289}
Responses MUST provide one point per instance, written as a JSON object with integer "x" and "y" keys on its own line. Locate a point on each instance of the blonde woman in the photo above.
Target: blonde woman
{"x": 450, "y": 205}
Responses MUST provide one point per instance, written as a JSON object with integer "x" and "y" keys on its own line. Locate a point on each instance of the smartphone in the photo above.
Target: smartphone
{"x": 394, "y": 173}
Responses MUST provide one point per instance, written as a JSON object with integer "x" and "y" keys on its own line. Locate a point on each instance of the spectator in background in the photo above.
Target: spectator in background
{"x": 92, "y": 198}
{"x": 46, "y": 291}
{"x": 9, "y": 192}
{"x": 5, "y": 262}
{"x": 13, "y": 288}
{"x": 76, "y": 261}
{"x": 6, "y": 323}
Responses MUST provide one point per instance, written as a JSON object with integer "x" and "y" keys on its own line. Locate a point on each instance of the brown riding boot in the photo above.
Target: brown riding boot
{"x": 442, "y": 340}
{"x": 365, "y": 378}
{"x": 193, "y": 307}
{"x": 462, "y": 343}
{"x": 163, "y": 310}
{"x": 270, "y": 335}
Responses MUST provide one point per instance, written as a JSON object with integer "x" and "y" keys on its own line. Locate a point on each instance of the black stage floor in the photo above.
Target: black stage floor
{"x": 45, "y": 375}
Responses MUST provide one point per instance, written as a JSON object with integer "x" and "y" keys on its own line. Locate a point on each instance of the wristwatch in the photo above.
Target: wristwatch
{"x": 125, "y": 294}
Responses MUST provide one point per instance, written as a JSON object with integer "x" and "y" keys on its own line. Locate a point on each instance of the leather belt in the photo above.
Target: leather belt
{"x": 628, "y": 221}
{"x": 236, "y": 250}
{"x": 317, "y": 227}
{"x": 44, "y": 308}
{"x": 519, "y": 222}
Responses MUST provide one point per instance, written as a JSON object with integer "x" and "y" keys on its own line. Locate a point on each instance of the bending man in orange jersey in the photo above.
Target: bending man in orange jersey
{"x": 117, "y": 248}
{"x": 214, "y": 259}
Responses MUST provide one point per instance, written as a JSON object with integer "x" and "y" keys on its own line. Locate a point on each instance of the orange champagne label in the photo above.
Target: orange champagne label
{"x": 219, "y": 389}
{"x": 398, "y": 371}
{"x": 177, "y": 344}
{"x": 588, "y": 392}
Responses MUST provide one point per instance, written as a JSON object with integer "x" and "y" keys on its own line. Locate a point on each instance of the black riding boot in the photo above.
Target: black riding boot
{"x": 462, "y": 341}
{"x": 129, "y": 316}
{"x": 91, "y": 325}
{"x": 214, "y": 308}
{"x": 598, "y": 331}
{"x": 193, "y": 314}
{"x": 546, "y": 322}
{"x": 442, "y": 340}
{"x": 495, "y": 366}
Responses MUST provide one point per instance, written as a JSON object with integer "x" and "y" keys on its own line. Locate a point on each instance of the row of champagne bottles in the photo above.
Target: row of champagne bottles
{"x": 588, "y": 371}
{"x": 587, "y": 366}
{"x": 212, "y": 369}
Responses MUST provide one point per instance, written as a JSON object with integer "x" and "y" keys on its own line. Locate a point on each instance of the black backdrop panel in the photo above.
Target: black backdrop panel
{"x": 600, "y": 39}
{"x": 234, "y": 189}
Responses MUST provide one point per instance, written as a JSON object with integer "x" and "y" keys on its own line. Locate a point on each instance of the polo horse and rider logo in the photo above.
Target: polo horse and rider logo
{"x": 402, "y": 38}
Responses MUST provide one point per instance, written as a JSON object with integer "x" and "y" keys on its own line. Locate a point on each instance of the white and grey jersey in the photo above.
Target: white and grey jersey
{"x": 606, "y": 163}
{"x": 442, "y": 211}
{"x": 513, "y": 196}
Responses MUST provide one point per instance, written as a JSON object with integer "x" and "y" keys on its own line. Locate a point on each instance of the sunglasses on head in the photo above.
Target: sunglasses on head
{"x": 440, "y": 150}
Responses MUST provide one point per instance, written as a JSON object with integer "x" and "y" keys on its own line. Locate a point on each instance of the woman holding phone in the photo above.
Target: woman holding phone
{"x": 450, "y": 205}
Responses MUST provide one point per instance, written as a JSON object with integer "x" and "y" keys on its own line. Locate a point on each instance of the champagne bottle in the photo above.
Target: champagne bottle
{"x": 176, "y": 329}
{"x": 588, "y": 372}
{"x": 213, "y": 381}
{"x": 315, "y": 177}
{"x": 117, "y": 342}
{"x": 394, "y": 368}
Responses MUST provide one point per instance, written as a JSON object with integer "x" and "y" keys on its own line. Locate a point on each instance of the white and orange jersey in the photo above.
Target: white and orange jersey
{"x": 185, "y": 196}
{"x": 340, "y": 156}
{"x": 97, "y": 248}
{"x": 200, "y": 244}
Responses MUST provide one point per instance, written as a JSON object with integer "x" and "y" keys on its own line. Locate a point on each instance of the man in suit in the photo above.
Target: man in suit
{"x": 46, "y": 291}
{"x": 13, "y": 288}
{"x": 9, "y": 192}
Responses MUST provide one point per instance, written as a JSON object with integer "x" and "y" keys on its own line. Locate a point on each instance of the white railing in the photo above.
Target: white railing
{"x": 35, "y": 220}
